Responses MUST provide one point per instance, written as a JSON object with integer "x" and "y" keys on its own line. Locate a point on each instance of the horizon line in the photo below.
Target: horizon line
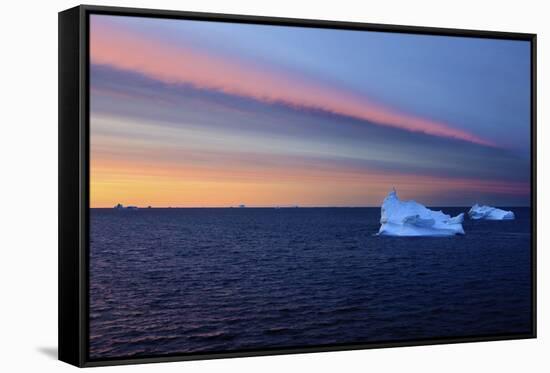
{"x": 271, "y": 207}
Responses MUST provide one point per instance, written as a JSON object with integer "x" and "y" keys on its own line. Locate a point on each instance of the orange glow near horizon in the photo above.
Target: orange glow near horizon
{"x": 190, "y": 186}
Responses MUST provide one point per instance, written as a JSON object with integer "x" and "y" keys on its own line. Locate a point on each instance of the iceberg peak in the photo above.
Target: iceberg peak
{"x": 410, "y": 218}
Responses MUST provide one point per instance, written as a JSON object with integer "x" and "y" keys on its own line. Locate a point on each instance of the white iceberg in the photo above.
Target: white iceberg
{"x": 410, "y": 218}
{"x": 478, "y": 212}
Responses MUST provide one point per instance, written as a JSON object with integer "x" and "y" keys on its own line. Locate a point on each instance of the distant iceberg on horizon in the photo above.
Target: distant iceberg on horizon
{"x": 478, "y": 212}
{"x": 120, "y": 206}
{"x": 411, "y": 219}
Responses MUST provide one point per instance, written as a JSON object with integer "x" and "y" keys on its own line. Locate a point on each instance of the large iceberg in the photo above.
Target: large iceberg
{"x": 410, "y": 218}
{"x": 478, "y": 212}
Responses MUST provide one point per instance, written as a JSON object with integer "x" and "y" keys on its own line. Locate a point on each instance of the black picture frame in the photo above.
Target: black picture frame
{"x": 74, "y": 188}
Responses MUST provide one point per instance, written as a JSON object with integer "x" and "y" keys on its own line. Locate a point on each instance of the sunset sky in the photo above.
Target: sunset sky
{"x": 203, "y": 114}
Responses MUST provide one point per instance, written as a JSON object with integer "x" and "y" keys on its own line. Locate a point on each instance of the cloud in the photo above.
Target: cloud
{"x": 226, "y": 121}
{"x": 113, "y": 45}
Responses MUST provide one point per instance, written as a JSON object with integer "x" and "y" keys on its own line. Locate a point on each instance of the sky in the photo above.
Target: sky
{"x": 211, "y": 114}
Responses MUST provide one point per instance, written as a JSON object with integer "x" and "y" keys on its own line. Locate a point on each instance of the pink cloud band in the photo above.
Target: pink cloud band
{"x": 120, "y": 48}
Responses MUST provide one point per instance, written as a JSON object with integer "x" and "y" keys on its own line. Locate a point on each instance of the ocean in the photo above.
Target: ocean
{"x": 167, "y": 281}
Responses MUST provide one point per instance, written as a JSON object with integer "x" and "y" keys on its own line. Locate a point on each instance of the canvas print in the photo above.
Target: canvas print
{"x": 257, "y": 187}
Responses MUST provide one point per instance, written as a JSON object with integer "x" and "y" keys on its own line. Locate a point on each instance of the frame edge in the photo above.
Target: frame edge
{"x": 69, "y": 189}
{"x": 305, "y": 22}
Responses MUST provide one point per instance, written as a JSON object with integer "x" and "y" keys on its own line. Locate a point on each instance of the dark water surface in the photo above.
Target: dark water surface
{"x": 168, "y": 281}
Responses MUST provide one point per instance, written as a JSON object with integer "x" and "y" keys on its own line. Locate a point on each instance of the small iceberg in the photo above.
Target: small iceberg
{"x": 410, "y": 218}
{"x": 119, "y": 206}
{"x": 478, "y": 212}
